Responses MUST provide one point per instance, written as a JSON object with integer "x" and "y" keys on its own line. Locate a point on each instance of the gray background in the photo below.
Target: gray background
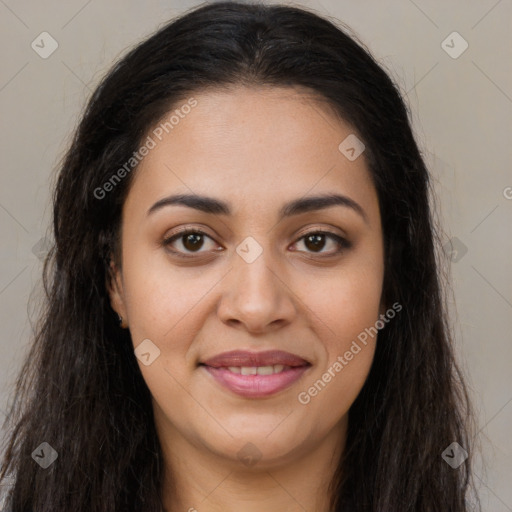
{"x": 461, "y": 110}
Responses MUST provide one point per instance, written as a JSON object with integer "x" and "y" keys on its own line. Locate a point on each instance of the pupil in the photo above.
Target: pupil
{"x": 193, "y": 239}
{"x": 318, "y": 241}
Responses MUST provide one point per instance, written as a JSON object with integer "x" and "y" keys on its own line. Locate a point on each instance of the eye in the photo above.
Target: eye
{"x": 316, "y": 241}
{"x": 193, "y": 240}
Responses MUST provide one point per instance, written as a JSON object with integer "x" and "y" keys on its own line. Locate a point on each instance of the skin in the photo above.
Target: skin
{"x": 255, "y": 148}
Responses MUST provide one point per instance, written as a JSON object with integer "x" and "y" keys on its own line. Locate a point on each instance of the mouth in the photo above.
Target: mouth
{"x": 255, "y": 374}
{"x": 255, "y": 370}
{"x": 247, "y": 359}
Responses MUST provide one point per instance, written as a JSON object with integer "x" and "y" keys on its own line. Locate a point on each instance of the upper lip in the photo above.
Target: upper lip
{"x": 246, "y": 358}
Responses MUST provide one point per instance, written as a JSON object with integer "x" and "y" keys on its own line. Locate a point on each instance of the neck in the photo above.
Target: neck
{"x": 198, "y": 480}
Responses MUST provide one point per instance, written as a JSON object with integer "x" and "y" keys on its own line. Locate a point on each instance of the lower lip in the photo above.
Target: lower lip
{"x": 255, "y": 386}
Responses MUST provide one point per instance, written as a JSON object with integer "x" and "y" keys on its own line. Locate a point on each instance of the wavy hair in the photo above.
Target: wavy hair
{"x": 80, "y": 388}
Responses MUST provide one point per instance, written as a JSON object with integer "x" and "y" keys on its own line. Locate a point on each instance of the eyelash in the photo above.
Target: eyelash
{"x": 342, "y": 242}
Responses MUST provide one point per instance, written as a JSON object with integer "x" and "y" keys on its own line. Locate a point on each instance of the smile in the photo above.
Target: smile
{"x": 255, "y": 382}
{"x": 258, "y": 370}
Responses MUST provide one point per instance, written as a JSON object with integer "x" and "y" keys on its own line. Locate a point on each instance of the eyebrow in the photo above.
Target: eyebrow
{"x": 295, "y": 207}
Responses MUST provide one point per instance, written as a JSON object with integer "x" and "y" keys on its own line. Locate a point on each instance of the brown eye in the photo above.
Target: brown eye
{"x": 186, "y": 242}
{"x": 192, "y": 241}
{"x": 316, "y": 241}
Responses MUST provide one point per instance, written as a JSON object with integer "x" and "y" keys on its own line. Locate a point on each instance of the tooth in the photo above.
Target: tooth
{"x": 234, "y": 369}
{"x": 265, "y": 370}
{"x": 248, "y": 370}
{"x": 278, "y": 368}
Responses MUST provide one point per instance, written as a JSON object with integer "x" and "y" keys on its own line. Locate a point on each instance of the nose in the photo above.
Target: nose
{"x": 256, "y": 297}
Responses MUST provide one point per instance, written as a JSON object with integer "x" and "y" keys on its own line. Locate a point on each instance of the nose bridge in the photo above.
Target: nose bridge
{"x": 253, "y": 265}
{"x": 255, "y": 294}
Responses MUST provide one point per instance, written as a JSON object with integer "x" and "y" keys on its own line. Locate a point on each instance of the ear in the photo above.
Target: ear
{"x": 115, "y": 289}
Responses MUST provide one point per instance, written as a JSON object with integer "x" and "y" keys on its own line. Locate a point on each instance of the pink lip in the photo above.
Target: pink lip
{"x": 256, "y": 386}
{"x": 246, "y": 358}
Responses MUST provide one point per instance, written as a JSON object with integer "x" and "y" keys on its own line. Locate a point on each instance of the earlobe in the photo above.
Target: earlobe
{"x": 115, "y": 290}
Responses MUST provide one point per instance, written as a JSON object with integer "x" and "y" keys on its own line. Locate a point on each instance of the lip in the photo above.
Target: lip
{"x": 256, "y": 386}
{"x": 247, "y": 358}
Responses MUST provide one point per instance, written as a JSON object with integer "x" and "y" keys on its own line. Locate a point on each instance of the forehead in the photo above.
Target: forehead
{"x": 259, "y": 143}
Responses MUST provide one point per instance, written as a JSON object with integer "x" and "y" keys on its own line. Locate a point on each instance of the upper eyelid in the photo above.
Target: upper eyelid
{"x": 202, "y": 229}
{"x": 191, "y": 230}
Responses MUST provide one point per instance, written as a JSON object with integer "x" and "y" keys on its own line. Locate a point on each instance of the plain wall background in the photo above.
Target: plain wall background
{"x": 462, "y": 115}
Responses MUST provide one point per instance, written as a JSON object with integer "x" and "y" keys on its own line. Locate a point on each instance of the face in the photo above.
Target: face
{"x": 287, "y": 282}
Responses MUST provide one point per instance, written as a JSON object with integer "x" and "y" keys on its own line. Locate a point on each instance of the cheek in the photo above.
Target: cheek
{"x": 346, "y": 308}
{"x": 343, "y": 323}
{"x": 163, "y": 303}
{"x": 346, "y": 301}
{"x": 159, "y": 295}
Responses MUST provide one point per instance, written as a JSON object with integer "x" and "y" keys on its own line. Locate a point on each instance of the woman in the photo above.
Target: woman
{"x": 244, "y": 306}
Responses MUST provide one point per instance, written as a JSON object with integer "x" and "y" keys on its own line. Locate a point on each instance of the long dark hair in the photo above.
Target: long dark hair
{"x": 81, "y": 390}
